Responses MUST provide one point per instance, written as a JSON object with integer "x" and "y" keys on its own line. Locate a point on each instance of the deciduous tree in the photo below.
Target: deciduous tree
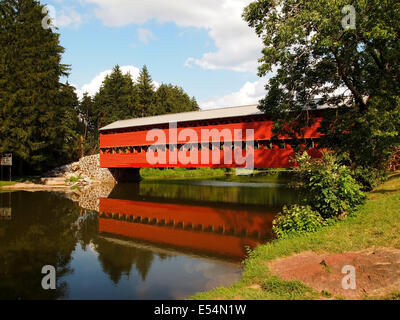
{"x": 318, "y": 59}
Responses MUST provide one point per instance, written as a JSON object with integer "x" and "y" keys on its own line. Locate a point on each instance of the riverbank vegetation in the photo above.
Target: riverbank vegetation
{"x": 376, "y": 224}
{"x": 329, "y": 193}
{"x": 7, "y": 183}
{"x": 277, "y": 176}
{"x": 181, "y": 173}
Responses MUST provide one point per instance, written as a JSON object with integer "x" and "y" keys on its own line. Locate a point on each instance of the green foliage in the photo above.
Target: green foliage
{"x": 369, "y": 178}
{"x": 146, "y": 101}
{"x": 172, "y": 99}
{"x": 7, "y": 183}
{"x": 68, "y": 138}
{"x": 120, "y": 98}
{"x": 73, "y": 179}
{"x": 179, "y": 173}
{"x": 115, "y": 100}
{"x": 41, "y": 121}
{"x": 37, "y": 117}
{"x": 326, "y": 294}
{"x": 88, "y": 124}
{"x": 297, "y": 220}
{"x": 316, "y": 62}
{"x": 328, "y": 185}
{"x": 288, "y": 289}
{"x": 376, "y": 224}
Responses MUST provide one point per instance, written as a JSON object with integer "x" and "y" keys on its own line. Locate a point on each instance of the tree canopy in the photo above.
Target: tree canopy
{"x": 121, "y": 98}
{"x": 41, "y": 120}
{"x": 33, "y": 103}
{"x": 318, "y": 59}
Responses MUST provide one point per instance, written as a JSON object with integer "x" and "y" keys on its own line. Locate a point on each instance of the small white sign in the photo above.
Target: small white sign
{"x": 6, "y": 160}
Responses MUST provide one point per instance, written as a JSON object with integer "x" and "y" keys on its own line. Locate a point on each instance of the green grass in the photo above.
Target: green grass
{"x": 7, "y": 183}
{"x": 272, "y": 176}
{"x": 23, "y": 179}
{"x": 73, "y": 179}
{"x": 375, "y": 224}
{"x": 179, "y": 173}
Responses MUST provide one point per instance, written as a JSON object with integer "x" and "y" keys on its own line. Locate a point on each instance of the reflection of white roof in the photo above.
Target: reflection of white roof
{"x": 186, "y": 116}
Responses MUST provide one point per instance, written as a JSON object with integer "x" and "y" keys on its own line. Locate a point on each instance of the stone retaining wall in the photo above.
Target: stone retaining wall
{"x": 90, "y": 167}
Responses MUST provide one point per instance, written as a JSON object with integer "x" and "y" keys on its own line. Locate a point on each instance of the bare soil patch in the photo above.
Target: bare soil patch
{"x": 377, "y": 271}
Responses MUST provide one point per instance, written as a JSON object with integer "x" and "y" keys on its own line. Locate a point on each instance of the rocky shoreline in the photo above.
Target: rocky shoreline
{"x": 73, "y": 177}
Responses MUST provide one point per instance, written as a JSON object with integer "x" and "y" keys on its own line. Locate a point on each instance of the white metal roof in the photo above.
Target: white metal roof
{"x": 186, "y": 116}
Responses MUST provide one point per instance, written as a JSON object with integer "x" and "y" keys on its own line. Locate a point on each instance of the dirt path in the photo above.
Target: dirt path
{"x": 377, "y": 272}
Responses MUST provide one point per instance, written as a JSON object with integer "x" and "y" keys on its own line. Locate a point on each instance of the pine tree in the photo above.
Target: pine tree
{"x": 86, "y": 112}
{"x": 69, "y": 132}
{"x": 115, "y": 99}
{"x": 30, "y": 69}
{"x": 172, "y": 99}
{"x": 145, "y": 88}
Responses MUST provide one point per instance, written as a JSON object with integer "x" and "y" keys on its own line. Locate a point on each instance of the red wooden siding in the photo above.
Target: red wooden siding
{"x": 277, "y": 157}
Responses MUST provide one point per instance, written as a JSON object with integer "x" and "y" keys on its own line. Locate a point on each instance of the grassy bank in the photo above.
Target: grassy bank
{"x": 277, "y": 176}
{"x": 376, "y": 224}
{"x": 7, "y": 183}
{"x": 180, "y": 173}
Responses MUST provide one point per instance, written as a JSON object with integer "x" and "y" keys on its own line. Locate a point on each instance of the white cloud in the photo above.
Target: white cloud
{"x": 94, "y": 85}
{"x": 68, "y": 17}
{"x": 250, "y": 93}
{"x": 238, "y": 47}
{"x": 145, "y": 35}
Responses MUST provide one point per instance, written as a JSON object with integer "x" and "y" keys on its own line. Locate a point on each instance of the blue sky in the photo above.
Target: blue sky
{"x": 203, "y": 46}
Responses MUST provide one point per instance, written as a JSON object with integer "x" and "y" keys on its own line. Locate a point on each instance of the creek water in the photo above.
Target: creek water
{"x": 153, "y": 240}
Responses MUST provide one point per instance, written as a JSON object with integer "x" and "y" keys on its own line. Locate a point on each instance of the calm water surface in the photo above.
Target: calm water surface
{"x": 154, "y": 240}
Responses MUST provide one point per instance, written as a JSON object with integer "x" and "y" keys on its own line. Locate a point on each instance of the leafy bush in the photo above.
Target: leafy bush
{"x": 328, "y": 185}
{"x": 296, "y": 220}
{"x": 74, "y": 179}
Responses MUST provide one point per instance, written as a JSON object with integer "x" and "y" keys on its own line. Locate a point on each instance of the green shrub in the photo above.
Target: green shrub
{"x": 328, "y": 185}
{"x": 74, "y": 179}
{"x": 297, "y": 220}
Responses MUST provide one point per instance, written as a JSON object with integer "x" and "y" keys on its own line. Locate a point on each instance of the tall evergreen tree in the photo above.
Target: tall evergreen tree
{"x": 88, "y": 123}
{"x": 30, "y": 69}
{"x": 115, "y": 99}
{"x": 69, "y": 131}
{"x": 145, "y": 88}
{"x": 85, "y": 111}
{"x": 172, "y": 99}
{"x": 121, "y": 98}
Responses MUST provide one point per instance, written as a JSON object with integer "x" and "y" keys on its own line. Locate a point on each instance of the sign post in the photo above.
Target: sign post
{"x": 6, "y": 161}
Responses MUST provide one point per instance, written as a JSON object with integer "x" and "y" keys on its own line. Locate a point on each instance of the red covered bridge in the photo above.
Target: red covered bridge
{"x": 234, "y": 137}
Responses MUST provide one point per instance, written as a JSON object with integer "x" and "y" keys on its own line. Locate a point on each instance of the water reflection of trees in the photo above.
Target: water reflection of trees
{"x": 117, "y": 260}
{"x": 86, "y": 227}
{"x": 38, "y": 234}
{"x": 46, "y": 227}
{"x": 271, "y": 196}
{"x": 44, "y": 230}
